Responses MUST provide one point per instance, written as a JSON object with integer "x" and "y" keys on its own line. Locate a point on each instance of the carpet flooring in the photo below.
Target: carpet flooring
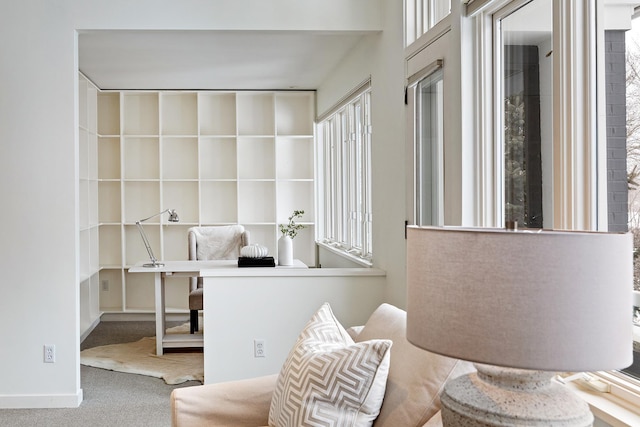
{"x": 110, "y": 398}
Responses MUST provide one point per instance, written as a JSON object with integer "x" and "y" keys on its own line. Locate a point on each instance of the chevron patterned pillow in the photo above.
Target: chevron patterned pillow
{"x": 328, "y": 380}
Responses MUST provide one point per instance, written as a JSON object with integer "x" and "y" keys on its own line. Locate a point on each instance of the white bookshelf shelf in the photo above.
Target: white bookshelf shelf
{"x": 217, "y": 157}
{"x": 88, "y": 188}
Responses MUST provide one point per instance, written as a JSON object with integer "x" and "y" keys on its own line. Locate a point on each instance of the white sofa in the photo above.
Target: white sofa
{"x": 415, "y": 379}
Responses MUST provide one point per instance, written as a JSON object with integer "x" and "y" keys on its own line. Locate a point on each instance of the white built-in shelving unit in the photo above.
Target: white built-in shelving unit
{"x": 217, "y": 157}
{"x": 88, "y": 204}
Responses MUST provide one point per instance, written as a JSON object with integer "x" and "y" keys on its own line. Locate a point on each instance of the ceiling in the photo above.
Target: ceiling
{"x": 237, "y": 60}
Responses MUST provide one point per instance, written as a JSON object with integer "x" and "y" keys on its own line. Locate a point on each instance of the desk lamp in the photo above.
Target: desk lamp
{"x": 173, "y": 217}
{"x": 522, "y": 305}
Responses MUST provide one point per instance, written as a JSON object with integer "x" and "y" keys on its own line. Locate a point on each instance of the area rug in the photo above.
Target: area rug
{"x": 140, "y": 357}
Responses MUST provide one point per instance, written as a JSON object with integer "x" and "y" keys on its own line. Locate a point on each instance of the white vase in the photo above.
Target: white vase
{"x": 285, "y": 251}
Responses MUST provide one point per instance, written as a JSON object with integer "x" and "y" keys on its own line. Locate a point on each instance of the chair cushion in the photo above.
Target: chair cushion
{"x": 328, "y": 379}
{"x": 234, "y": 403}
{"x": 218, "y": 242}
{"x": 195, "y": 299}
{"x": 416, "y": 376}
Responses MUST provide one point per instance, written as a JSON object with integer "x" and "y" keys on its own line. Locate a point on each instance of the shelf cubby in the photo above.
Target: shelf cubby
{"x": 94, "y": 254}
{"x": 295, "y": 195}
{"x": 264, "y": 235}
{"x": 109, "y": 202}
{"x": 183, "y": 197}
{"x": 179, "y": 113}
{"x": 141, "y": 200}
{"x": 256, "y": 158}
{"x": 137, "y": 291}
{"x": 109, "y": 158}
{"x": 175, "y": 242}
{"x": 255, "y": 113}
{"x": 110, "y": 238}
{"x": 89, "y": 301}
{"x": 140, "y": 113}
{"x": 177, "y": 293}
{"x": 218, "y": 202}
{"x": 83, "y": 101}
{"x": 85, "y": 256}
{"x": 218, "y": 158}
{"x": 217, "y": 113}
{"x": 134, "y": 245}
{"x": 256, "y": 202}
{"x": 91, "y": 123}
{"x": 304, "y": 245}
{"x": 83, "y": 153}
{"x": 92, "y": 172}
{"x": 109, "y": 113}
{"x": 294, "y": 158}
{"x": 83, "y": 193}
{"x": 180, "y": 158}
{"x": 94, "y": 207}
{"x": 292, "y": 113}
{"x": 141, "y": 158}
{"x": 111, "y": 289}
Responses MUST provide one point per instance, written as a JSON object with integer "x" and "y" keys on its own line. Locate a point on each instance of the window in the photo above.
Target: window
{"x": 344, "y": 165}
{"x": 525, "y": 85}
{"x": 421, "y": 15}
{"x": 624, "y": 100}
{"x": 552, "y": 144}
{"x": 426, "y": 99}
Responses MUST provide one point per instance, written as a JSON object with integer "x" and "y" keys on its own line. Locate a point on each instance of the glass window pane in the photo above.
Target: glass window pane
{"x": 441, "y": 8}
{"x": 345, "y": 162}
{"x": 422, "y": 15}
{"x": 430, "y": 124}
{"x": 526, "y": 88}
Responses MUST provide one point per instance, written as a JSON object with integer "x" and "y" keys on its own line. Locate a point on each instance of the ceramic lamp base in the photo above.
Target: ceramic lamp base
{"x": 511, "y": 397}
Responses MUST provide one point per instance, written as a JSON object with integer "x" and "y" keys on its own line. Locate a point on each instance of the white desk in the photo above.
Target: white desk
{"x": 190, "y": 269}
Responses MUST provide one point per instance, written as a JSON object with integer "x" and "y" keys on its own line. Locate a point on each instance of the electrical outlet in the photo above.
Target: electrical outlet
{"x": 259, "y": 349}
{"x": 49, "y": 353}
{"x": 105, "y": 285}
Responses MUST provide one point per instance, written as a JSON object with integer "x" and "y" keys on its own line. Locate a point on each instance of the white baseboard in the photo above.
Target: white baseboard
{"x": 41, "y": 401}
{"x": 86, "y": 333}
{"x": 142, "y": 316}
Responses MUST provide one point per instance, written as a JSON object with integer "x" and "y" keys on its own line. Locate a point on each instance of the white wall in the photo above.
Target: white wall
{"x": 281, "y": 302}
{"x": 381, "y": 57}
{"x": 38, "y": 172}
{"x": 38, "y": 166}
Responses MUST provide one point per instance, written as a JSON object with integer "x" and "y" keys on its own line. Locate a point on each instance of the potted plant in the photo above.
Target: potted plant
{"x": 289, "y": 232}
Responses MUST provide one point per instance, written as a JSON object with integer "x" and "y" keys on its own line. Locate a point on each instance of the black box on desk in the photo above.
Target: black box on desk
{"x": 267, "y": 261}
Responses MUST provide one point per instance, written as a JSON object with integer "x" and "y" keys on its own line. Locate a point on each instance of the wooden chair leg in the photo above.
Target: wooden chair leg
{"x": 193, "y": 321}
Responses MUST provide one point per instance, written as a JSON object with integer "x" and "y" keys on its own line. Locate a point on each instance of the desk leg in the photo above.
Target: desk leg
{"x": 160, "y": 316}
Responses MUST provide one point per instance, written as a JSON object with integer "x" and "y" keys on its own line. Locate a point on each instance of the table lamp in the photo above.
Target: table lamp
{"x": 173, "y": 217}
{"x": 522, "y": 305}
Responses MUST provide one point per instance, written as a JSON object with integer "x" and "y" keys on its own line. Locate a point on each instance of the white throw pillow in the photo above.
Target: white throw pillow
{"x": 328, "y": 380}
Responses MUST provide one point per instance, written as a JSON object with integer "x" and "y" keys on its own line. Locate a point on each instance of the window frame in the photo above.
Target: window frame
{"x": 579, "y": 138}
{"x": 435, "y": 168}
{"x": 344, "y": 185}
{"x": 580, "y": 149}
